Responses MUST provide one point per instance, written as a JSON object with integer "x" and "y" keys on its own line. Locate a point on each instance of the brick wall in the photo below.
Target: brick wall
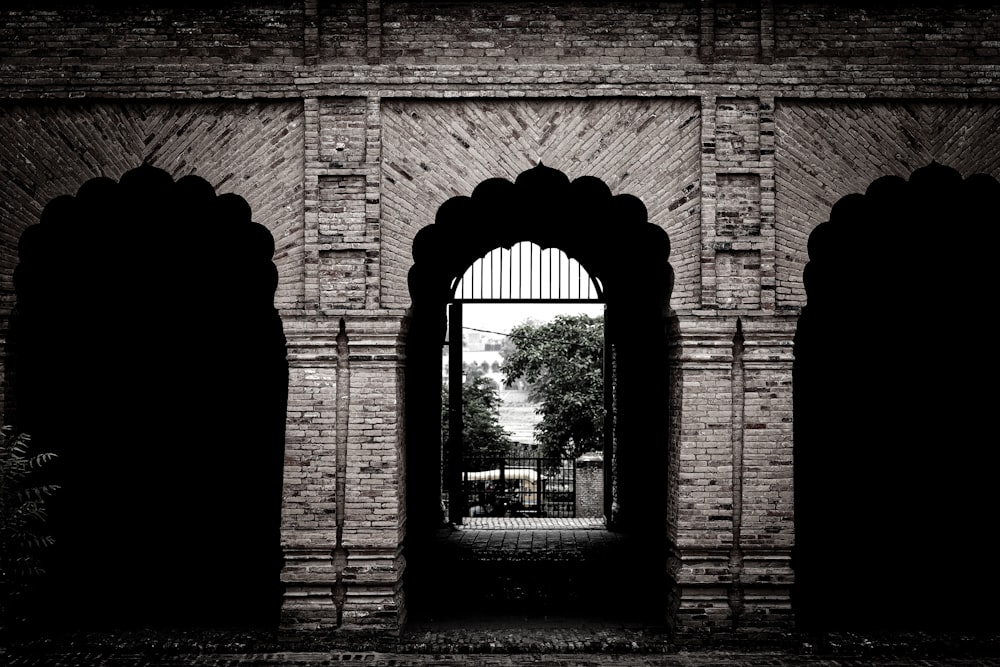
{"x": 75, "y": 36}
{"x": 956, "y": 33}
{"x": 346, "y": 125}
{"x": 590, "y": 486}
{"x": 531, "y": 32}
{"x": 434, "y": 151}
{"x": 342, "y": 28}
{"x": 826, "y": 150}
{"x": 50, "y": 150}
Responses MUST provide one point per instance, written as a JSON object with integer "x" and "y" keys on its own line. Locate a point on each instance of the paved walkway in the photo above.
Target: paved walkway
{"x": 505, "y": 593}
{"x": 530, "y": 523}
{"x": 166, "y": 653}
{"x": 530, "y": 570}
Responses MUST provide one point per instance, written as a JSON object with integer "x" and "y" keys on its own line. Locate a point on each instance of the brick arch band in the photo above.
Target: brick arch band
{"x": 611, "y": 238}
{"x": 149, "y": 356}
{"x": 608, "y": 234}
{"x": 893, "y": 468}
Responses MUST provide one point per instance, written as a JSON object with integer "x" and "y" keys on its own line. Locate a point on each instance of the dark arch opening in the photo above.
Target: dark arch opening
{"x": 893, "y": 465}
{"x": 150, "y": 358}
{"x": 612, "y": 240}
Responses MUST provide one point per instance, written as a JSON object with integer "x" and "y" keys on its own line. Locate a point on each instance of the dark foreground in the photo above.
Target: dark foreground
{"x": 541, "y": 642}
{"x": 498, "y": 596}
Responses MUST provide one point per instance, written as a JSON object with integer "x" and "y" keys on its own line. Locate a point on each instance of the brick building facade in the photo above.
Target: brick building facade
{"x": 347, "y": 126}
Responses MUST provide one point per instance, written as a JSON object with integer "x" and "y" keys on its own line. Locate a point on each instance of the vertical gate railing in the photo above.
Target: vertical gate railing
{"x": 519, "y": 486}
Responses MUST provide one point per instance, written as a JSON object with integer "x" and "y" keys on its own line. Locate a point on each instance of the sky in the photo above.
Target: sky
{"x": 502, "y": 317}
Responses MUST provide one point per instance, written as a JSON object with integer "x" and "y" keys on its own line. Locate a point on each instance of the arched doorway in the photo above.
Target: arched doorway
{"x": 892, "y": 474}
{"x": 522, "y": 280}
{"x": 610, "y": 237}
{"x": 150, "y": 358}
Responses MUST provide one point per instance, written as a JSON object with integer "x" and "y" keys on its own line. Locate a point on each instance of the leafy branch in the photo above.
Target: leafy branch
{"x": 22, "y": 519}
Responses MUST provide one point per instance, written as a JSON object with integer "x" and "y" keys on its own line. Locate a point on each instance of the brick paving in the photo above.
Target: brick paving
{"x": 515, "y": 625}
{"x": 490, "y": 655}
{"x": 526, "y": 571}
{"x": 531, "y": 523}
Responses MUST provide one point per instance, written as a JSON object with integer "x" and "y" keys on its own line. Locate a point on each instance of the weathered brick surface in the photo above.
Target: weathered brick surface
{"x": 590, "y": 486}
{"x": 738, "y": 281}
{"x": 737, "y": 31}
{"x": 74, "y": 36}
{"x": 342, "y": 130}
{"x": 50, "y": 150}
{"x": 526, "y": 32}
{"x": 342, "y": 30}
{"x": 825, "y": 151}
{"x": 434, "y": 151}
{"x": 346, "y": 125}
{"x": 958, "y": 33}
{"x": 310, "y": 454}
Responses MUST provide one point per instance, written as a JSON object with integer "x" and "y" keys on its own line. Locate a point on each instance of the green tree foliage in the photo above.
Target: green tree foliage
{"x": 562, "y": 362}
{"x": 482, "y": 434}
{"x": 22, "y": 520}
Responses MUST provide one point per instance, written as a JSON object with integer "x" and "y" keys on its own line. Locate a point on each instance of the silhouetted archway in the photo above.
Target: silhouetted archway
{"x": 893, "y": 468}
{"x": 149, "y": 356}
{"x": 612, "y": 240}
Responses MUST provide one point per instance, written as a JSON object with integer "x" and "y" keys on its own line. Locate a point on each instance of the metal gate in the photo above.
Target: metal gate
{"x": 519, "y": 487}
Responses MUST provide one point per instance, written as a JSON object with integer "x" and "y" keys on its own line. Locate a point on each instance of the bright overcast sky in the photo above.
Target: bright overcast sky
{"x": 502, "y": 317}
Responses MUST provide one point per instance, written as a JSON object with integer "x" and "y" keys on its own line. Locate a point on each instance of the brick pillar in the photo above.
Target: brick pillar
{"x": 734, "y": 522}
{"x": 343, "y": 511}
{"x": 590, "y": 486}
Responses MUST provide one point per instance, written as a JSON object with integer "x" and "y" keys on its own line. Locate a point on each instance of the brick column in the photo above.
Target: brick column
{"x": 733, "y": 493}
{"x": 375, "y": 511}
{"x": 343, "y": 510}
{"x": 590, "y": 486}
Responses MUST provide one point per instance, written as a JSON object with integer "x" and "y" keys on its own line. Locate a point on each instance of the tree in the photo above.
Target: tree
{"x": 562, "y": 362}
{"x": 482, "y": 434}
{"x": 22, "y": 523}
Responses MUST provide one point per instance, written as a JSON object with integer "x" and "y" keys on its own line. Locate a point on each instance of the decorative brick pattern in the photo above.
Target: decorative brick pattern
{"x": 737, "y": 130}
{"x": 826, "y": 150}
{"x": 51, "y": 150}
{"x": 342, "y": 30}
{"x": 434, "y": 151}
{"x": 737, "y": 30}
{"x": 738, "y": 219}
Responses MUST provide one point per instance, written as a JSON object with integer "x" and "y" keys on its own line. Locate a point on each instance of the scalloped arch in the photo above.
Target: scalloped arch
{"x": 615, "y": 243}
{"x": 145, "y": 306}
{"x": 869, "y": 236}
{"x": 608, "y": 234}
{"x": 888, "y": 381}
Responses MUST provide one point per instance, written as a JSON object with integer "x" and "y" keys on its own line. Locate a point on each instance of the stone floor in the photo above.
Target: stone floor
{"x": 530, "y": 523}
{"x": 506, "y": 592}
{"x": 525, "y": 571}
{"x": 557, "y": 645}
